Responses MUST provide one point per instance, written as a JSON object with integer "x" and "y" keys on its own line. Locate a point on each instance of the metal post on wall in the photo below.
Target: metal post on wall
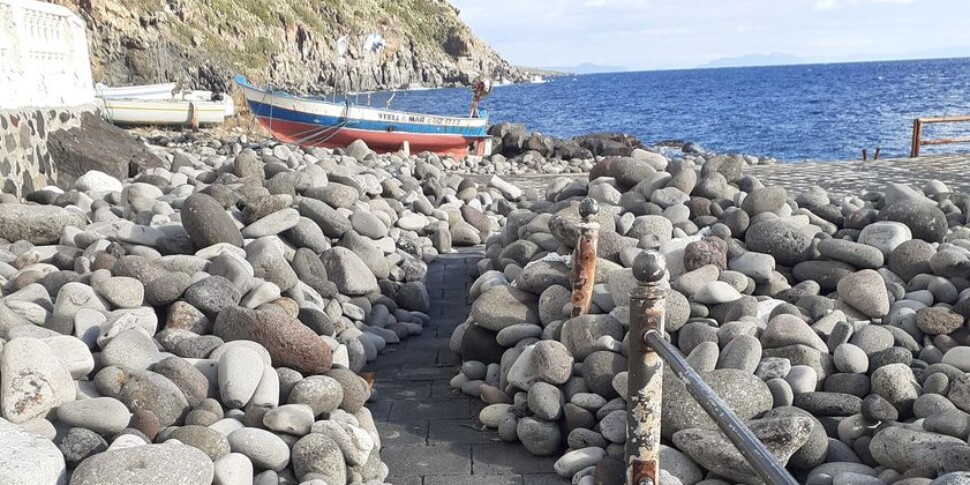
{"x": 645, "y": 371}
{"x": 583, "y": 274}
{"x": 917, "y": 138}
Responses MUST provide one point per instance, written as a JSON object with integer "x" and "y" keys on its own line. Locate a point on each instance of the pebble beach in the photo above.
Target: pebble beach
{"x": 209, "y": 320}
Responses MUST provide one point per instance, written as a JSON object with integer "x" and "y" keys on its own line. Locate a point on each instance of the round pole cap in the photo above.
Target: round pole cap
{"x": 649, "y": 267}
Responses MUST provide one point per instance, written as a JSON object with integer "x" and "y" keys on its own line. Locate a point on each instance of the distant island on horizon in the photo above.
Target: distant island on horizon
{"x": 751, "y": 60}
{"x": 586, "y": 68}
{"x": 756, "y": 60}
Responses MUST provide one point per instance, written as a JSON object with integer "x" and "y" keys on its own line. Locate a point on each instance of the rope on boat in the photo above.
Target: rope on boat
{"x": 314, "y": 132}
{"x": 345, "y": 120}
{"x": 320, "y": 131}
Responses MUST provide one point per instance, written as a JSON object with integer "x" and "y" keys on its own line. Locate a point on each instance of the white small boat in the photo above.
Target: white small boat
{"x": 161, "y": 112}
{"x": 144, "y": 91}
{"x": 198, "y": 95}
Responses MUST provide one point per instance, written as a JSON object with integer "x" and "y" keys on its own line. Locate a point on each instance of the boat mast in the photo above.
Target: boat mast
{"x": 341, "y": 53}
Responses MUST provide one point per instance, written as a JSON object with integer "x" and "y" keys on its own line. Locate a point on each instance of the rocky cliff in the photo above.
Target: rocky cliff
{"x": 286, "y": 43}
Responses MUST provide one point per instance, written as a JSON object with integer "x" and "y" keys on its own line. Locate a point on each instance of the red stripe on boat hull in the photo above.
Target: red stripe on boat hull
{"x": 381, "y": 142}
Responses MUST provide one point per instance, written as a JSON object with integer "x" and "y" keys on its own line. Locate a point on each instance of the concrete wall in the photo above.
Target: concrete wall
{"x": 44, "y": 59}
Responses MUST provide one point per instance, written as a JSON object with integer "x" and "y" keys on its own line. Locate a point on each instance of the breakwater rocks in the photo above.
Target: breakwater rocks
{"x": 517, "y": 151}
{"x": 207, "y": 320}
{"x": 836, "y": 328}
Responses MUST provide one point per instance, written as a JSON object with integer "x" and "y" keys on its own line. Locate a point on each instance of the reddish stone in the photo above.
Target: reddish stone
{"x": 710, "y": 250}
{"x": 289, "y": 342}
{"x": 602, "y": 169}
{"x": 146, "y": 422}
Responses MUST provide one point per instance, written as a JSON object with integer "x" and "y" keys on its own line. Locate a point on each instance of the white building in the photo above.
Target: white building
{"x": 44, "y": 60}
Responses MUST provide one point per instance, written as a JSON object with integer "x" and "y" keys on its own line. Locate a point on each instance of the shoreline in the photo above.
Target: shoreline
{"x": 188, "y": 274}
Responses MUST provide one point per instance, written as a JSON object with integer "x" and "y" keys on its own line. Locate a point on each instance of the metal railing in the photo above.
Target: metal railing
{"x": 648, "y": 351}
{"x": 919, "y": 142}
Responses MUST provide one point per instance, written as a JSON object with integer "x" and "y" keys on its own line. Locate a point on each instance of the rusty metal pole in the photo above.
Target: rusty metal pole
{"x": 646, "y": 371}
{"x": 917, "y": 138}
{"x": 583, "y": 274}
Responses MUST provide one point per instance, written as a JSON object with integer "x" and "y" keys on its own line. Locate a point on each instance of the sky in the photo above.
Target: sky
{"x": 676, "y": 34}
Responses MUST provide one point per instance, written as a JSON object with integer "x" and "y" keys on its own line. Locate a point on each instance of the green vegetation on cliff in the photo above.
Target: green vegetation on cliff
{"x": 287, "y": 42}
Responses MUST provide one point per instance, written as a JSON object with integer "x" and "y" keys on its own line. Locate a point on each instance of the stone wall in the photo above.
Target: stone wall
{"x": 25, "y": 161}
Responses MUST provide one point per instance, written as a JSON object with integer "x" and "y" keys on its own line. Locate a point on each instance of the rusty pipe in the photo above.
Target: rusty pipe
{"x": 645, "y": 378}
{"x": 582, "y": 277}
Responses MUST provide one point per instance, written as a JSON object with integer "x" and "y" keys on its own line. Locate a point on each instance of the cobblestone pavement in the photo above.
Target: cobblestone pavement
{"x": 430, "y": 434}
{"x": 852, "y": 177}
{"x": 857, "y": 177}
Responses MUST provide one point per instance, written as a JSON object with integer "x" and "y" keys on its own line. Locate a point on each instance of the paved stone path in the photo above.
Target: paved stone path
{"x": 856, "y": 177}
{"x": 430, "y": 433}
{"x": 839, "y": 178}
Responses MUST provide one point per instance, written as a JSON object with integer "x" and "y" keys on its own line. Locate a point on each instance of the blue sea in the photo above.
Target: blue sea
{"x": 816, "y": 112}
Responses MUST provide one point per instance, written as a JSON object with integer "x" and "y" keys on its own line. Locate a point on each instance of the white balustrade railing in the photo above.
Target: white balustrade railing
{"x": 44, "y": 59}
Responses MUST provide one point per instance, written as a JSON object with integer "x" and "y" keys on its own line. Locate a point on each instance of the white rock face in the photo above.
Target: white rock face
{"x": 32, "y": 380}
{"x": 28, "y": 459}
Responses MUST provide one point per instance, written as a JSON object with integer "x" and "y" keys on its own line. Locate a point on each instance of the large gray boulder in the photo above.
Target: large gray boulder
{"x": 925, "y": 220}
{"x": 165, "y": 464}
{"x": 207, "y": 223}
{"x": 865, "y": 291}
{"x": 37, "y": 224}
{"x": 712, "y": 450}
{"x": 789, "y": 243}
{"x": 349, "y": 272}
{"x": 28, "y": 459}
{"x": 746, "y": 395}
{"x": 32, "y": 380}
{"x": 905, "y": 449}
{"x": 503, "y": 306}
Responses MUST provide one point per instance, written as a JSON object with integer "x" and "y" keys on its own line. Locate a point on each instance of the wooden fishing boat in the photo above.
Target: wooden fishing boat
{"x": 163, "y": 112}
{"x": 317, "y": 122}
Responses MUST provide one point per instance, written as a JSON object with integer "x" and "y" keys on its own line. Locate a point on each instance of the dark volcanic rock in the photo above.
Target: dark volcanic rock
{"x": 925, "y": 220}
{"x": 207, "y": 223}
{"x": 789, "y": 243}
{"x": 96, "y": 145}
{"x": 710, "y": 250}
